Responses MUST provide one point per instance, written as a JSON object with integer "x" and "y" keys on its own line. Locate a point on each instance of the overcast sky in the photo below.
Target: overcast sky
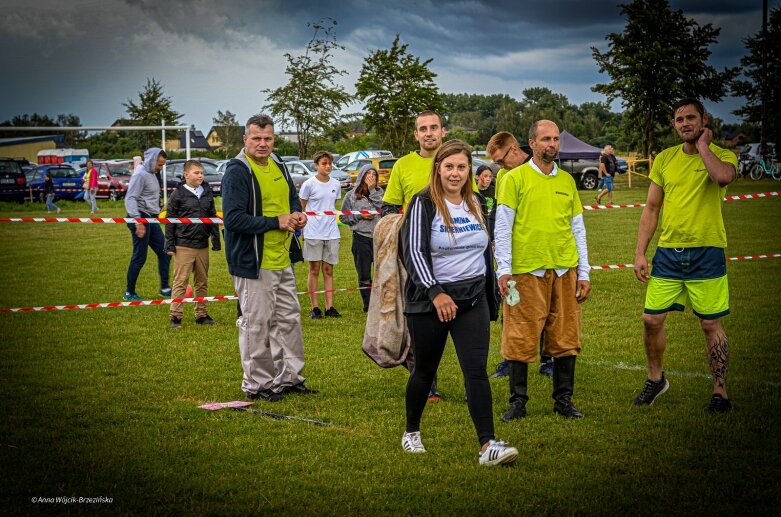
{"x": 87, "y": 57}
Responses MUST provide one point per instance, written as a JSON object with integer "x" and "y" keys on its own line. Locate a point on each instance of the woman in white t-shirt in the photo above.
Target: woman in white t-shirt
{"x": 450, "y": 290}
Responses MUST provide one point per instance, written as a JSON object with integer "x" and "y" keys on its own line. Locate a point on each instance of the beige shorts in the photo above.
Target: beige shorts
{"x": 548, "y": 304}
{"x": 321, "y": 250}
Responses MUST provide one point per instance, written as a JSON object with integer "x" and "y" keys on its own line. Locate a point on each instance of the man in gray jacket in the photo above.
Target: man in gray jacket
{"x": 261, "y": 210}
{"x": 143, "y": 200}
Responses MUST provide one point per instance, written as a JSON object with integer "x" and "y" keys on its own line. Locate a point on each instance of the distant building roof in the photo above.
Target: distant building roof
{"x": 197, "y": 140}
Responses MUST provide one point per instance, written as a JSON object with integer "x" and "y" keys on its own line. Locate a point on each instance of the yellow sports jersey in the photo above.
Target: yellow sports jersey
{"x": 691, "y": 215}
{"x": 544, "y": 207}
{"x": 410, "y": 174}
{"x": 499, "y": 175}
{"x": 275, "y": 195}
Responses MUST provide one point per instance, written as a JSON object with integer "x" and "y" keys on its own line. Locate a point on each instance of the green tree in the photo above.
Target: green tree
{"x": 659, "y": 58}
{"x": 395, "y": 86}
{"x": 751, "y": 87}
{"x": 311, "y": 100}
{"x": 70, "y": 138}
{"x": 230, "y": 132}
{"x": 152, "y": 108}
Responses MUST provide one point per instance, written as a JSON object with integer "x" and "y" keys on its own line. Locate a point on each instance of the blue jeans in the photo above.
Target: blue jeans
{"x": 50, "y": 203}
{"x": 153, "y": 238}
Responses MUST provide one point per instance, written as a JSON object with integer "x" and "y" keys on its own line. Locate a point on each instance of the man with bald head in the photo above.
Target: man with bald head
{"x": 541, "y": 247}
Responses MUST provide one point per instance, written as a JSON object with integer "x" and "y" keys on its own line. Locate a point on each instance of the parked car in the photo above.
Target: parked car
{"x": 68, "y": 182}
{"x": 586, "y": 172}
{"x": 175, "y": 173}
{"x": 35, "y": 183}
{"x": 348, "y": 158}
{"x": 13, "y": 184}
{"x": 302, "y": 170}
{"x": 289, "y": 158}
{"x": 113, "y": 178}
{"x": 477, "y": 163}
{"x": 383, "y": 166}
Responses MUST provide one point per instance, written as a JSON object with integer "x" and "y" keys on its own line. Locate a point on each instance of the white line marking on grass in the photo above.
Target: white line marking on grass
{"x": 671, "y": 373}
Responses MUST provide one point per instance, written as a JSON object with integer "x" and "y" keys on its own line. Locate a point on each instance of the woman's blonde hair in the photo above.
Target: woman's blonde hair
{"x": 437, "y": 191}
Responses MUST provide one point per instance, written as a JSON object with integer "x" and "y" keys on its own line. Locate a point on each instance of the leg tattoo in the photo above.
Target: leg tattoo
{"x": 718, "y": 353}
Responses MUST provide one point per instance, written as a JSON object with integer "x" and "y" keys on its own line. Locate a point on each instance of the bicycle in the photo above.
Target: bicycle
{"x": 769, "y": 169}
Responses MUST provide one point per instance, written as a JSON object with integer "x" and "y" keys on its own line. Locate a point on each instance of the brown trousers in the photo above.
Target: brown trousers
{"x": 547, "y": 303}
{"x": 189, "y": 261}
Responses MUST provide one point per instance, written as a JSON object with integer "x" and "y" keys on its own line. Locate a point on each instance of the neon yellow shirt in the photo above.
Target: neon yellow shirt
{"x": 499, "y": 175}
{"x": 544, "y": 207}
{"x": 410, "y": 174}
{"x": 691, "y": 216}
{"x": 275, "y": 194}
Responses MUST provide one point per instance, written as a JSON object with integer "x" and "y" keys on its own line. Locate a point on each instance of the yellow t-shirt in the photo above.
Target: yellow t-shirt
{"x": 691, "y": 215}
{"x": 410, "y": 174}
{"x": 501, "y": 173}
{"x": 275, "y": 196}
{"x": 544, "y": 207}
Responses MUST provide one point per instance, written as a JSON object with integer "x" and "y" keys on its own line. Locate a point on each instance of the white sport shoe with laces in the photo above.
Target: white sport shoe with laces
{"x": 411, "y": 442}
{"x": 498, "y": 453}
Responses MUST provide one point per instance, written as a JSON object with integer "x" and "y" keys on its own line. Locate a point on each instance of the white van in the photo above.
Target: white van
{"x": 357, "y": 155}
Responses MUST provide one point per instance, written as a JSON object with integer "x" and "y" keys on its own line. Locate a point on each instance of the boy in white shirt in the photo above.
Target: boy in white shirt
{"x": 321, "y": 234}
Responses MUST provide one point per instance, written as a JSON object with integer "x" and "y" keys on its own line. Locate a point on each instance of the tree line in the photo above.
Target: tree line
{"x": 659, "y": 57}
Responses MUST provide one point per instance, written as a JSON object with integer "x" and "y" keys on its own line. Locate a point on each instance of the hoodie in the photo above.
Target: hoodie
{"x": 143, "y": 191}
{"x": 357, "y": 223}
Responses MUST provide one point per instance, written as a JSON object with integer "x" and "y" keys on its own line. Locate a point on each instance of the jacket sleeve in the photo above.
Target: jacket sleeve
{"x": 347, "y": 204}
{"x": 131, "y": 196}
{"x": 172, "y": 210}
{"x": 237, "y": 188}
{"x": 416, "y": 235}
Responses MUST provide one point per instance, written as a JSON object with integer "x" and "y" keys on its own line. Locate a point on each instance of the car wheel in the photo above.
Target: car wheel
{"x": 112, "y": 194}
{"x": 589, "y": 181}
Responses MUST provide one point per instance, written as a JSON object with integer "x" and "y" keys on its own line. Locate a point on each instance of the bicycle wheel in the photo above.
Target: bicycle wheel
{"x": 756, "y": 172}
{"x": 775, "y": 172}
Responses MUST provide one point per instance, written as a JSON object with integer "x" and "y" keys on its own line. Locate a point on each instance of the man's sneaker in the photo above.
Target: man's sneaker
{"x": 205, "y": 320}
{"x": 411, "y": 442}
{"x": 132, "y": 297}
{"x": 651, "y": 390}
{"x": 165, "y": 292}
{"x": 498, "y": 453}
{"x": 316, "y": 313}
{"x": 267, "y": 395}
{"x": 299, "y": 389}
{"x": 546, "y": 368}
{"x": 175, "y": 323}
{"x": 434, "y": 396}
{"x": 719, "y": 404}
{"x": 502, "y": 370}
{"x": 332, "y": 313}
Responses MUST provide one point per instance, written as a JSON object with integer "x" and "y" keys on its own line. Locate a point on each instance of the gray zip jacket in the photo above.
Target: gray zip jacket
{"x": 143, "y": 191}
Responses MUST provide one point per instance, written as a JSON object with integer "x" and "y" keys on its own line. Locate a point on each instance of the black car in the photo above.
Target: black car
{"x": 13, "y": 183}
{"x": 175, "y": 173}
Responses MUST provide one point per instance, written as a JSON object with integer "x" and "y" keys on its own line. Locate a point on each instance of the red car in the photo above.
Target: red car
{"x": 113, "y": 178}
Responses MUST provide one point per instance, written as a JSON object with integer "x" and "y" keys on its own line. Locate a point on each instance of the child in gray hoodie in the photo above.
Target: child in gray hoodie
{"x": 367, "y": 195}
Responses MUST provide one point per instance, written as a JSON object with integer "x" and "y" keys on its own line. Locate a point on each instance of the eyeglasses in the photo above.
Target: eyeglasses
{"x": 500, "y": 161}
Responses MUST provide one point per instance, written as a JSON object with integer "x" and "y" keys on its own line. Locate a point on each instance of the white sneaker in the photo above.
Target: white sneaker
{"x": 411, "y": 443}
{"x": 498, "y": 453}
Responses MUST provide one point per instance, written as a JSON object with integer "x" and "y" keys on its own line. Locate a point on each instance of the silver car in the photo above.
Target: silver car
{"x": 302, "y": 170}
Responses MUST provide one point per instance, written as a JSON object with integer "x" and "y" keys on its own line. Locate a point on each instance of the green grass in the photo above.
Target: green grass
{"x": 103, "y": 402}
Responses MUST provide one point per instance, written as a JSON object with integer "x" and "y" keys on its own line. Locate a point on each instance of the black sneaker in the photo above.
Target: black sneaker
{"x": 205, "y": 320}
{"x": 267, "y": 395}
{"x": 332, "y": 313}
{"x": 719, "y": 404}
{"x": 175, "y": 323}
{"x": 316, "y": 313}
{"x": 651, "y": 390}
{"x": 299, "y": 389}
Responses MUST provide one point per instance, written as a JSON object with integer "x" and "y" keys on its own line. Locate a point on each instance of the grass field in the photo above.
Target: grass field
{"x": 104, "y": 402}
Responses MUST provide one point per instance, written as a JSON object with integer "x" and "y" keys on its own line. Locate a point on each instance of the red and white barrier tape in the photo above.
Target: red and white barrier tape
{"x": 110, "y": 305}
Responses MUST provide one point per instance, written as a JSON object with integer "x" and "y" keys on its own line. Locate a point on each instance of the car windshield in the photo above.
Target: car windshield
{"x": 65, "y": 172}
{"x": 10, "y": 166}
{"x": 309, "y": 164}
{"x": 121, "y": 169}
{"x": 31, "y": 174}
{"x": 209, "y": 168}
